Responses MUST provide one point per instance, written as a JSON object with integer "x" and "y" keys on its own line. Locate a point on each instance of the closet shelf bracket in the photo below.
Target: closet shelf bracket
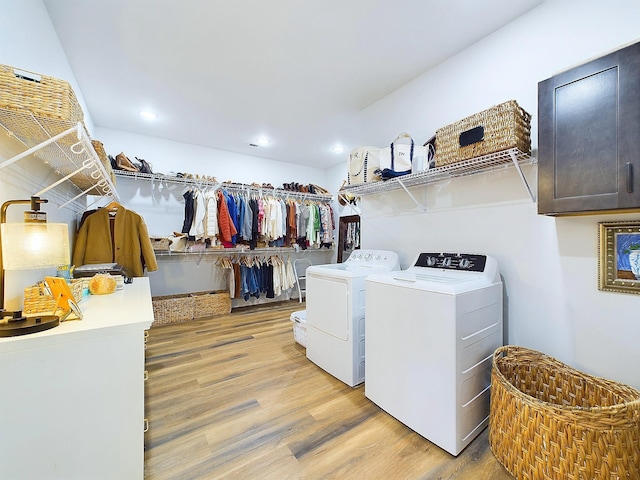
{"x": 404, "y": 187}
{"x": 516, "y": 163}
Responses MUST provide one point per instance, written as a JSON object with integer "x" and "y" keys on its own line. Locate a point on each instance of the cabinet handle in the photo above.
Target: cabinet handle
{"x": 146, "y": 425}
{"x": 146, "y": 375}
{"x": 629, "y": 177}
{"x": 146, "y": 336}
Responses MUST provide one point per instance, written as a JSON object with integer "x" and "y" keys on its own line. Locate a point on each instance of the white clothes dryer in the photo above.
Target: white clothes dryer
{"x": 336, "y": 312}
{"x": 431, "y": 333}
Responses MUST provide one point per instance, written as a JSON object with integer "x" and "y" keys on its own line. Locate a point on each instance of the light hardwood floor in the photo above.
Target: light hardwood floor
{"x": 234, "y": 397}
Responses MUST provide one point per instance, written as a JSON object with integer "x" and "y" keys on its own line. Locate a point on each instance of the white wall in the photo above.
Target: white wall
{"x": 170, "y": 156}
{"x": 549, "y": 265}
{"x": 28, "y": 41}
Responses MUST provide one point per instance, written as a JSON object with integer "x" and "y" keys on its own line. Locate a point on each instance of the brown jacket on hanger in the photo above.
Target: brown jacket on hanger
{"x": 131, "y": 246}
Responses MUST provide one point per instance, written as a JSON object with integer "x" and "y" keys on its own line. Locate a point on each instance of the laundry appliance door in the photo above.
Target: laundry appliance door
{"x": 328, "y": 305}
{"x": 335, "y": 325}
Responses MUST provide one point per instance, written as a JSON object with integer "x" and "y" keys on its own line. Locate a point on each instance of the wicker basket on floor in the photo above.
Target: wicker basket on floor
{"x": 550, "y": 421}
{"x": 184, "y": 307}
{"x": 210, "y": 304}
{"x": 39, "y": 95}
{"x": 500, "y": 127}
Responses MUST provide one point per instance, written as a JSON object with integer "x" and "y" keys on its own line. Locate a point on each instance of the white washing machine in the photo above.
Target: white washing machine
{"x": 431, "y": 333}
{"x": 336, "y": 312}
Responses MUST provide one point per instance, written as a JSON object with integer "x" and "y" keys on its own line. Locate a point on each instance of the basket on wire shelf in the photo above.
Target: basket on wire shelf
{"x": 38, "y": 95}
{"x": 551, "y": 421}
{"x": 498, "y": 128}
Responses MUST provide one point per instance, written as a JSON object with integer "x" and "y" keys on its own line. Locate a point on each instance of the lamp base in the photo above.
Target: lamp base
{"x": 21, "y": 325}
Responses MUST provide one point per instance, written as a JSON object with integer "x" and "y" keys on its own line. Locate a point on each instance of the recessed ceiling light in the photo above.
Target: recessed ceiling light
{"x": 337, "y": 149}
{"x": 263, "y": 141}
{"x": 148, "y": 115}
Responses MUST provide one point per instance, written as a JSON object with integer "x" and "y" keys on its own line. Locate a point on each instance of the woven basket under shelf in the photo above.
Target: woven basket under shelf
{"x": 550, "y": 421}
{"x": 210, "y": 304}
{"x": 39, "y": 95}
{"x": 160, "y": 244}
{"x": 104, "y": 159}
{"x": 505, "y": 126}
{"x": 184, "y": 307}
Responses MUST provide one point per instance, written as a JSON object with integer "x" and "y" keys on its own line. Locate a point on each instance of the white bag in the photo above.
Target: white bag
{"x": 363, "y": 161}
{"x": 420, "y": 161}
{"x": 398, "y": 157}
{"x": 178, "y": 242}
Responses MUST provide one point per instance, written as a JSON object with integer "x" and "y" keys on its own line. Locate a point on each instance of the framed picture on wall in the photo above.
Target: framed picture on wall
{"x": 619, "y": 257}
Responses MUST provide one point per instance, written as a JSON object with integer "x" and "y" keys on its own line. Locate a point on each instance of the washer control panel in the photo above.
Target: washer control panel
{"x": 372, "y": 257}
{"x": 452, "y": 261}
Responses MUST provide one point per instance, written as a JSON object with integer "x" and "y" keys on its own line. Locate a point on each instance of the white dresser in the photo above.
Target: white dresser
{"x": 72, "y": 397}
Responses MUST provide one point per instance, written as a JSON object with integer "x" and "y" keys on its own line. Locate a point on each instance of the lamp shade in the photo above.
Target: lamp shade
{"x": 34, "y": 245}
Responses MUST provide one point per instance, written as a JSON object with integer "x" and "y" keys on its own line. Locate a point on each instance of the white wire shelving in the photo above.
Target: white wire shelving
{"x": 204, "y": 183}
{"x": 66, "y": 147}
{"x": 494, "y": 161}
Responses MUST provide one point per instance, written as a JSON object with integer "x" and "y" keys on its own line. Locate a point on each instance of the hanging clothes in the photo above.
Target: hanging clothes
{"x": 188, "y": 211}
{"x": 129, "y": 244}
{"x": 290, "y": 276}
{"x": 225, "y": 223}
{"x": 326, "y": 225}
{"x": 255, "y": 223}
{"x": 211, "y": 229}
{"x": 233, "y": 214}
{"x": 199, "y": 214}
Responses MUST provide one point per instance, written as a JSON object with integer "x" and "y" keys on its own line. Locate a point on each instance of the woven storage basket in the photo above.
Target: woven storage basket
{"x": 104, "y": 159}
{"x": 550, "y": 421}
{"x": 38, "y": 300}
{"x": 39, "y": 95}
{"x": 173, "y": 308}
{"x": 187, "y": 306}
{"x": 160, "y": 244}
{"x": 504, "y": 126}
{"x": 210, "y": 304}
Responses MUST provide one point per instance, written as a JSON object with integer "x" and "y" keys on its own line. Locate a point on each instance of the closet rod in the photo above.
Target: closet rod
{"x": 275, "y": 192}
{"x": 245, "y": 251}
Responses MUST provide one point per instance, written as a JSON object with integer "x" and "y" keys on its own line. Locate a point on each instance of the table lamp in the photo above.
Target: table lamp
{"x": 31, "y": 244}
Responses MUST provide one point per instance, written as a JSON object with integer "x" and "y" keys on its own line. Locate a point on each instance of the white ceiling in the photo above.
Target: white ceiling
{"x": 220, "y": 73}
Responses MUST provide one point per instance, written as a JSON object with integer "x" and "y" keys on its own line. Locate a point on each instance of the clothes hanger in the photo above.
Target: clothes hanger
{"x": 113, "y": 207}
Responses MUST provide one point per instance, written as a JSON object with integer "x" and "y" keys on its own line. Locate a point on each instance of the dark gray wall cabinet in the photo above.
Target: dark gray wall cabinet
{"x": 589, "y": 136}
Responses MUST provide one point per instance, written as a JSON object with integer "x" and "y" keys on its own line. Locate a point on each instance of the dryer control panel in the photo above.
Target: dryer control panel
{"x": 452, "y": 261}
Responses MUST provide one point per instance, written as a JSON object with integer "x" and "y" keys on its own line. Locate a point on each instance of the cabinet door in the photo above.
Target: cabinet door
{"x": 589, "y": 136}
